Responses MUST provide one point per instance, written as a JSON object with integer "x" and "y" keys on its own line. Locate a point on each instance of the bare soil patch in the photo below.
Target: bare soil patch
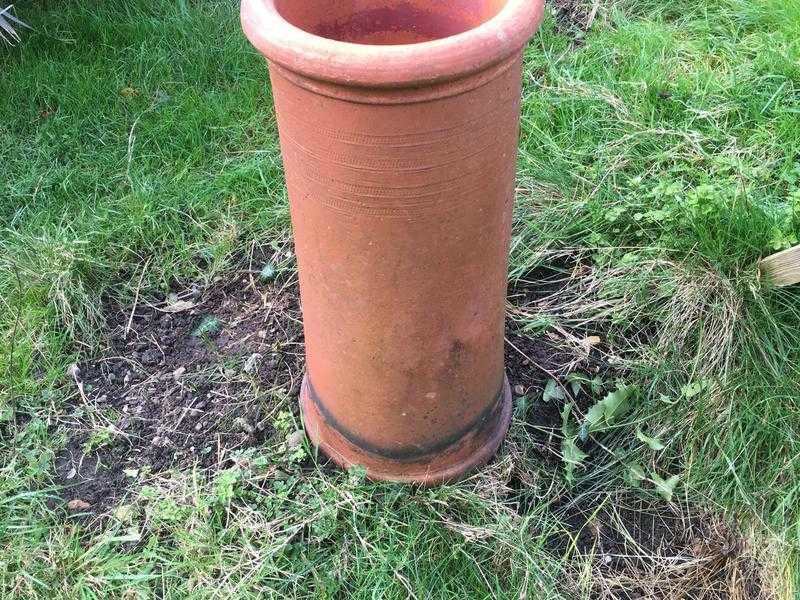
{"x": 537, "y": 358}
{"x": 574, "y": 16}
{"x": 184, "y": 380}
{"x": 640, "y": 548}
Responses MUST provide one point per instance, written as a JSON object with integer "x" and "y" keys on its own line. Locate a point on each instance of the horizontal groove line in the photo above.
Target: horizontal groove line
{"x": 388, "y": 212}
{"x": 354, "y": 207}
{"x": 486, "y": 416}
{"x": 401, "y": 205}
{"x": 459, "y": 185}
{"x": 366, "y": 141}
{"x": 388, "y": 165}
{"x": 467, "y": 128}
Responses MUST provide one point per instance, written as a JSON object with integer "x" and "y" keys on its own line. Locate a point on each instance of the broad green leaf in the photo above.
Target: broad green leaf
{"x": 691, "y": 390}
{"x": 665, "y": 488}
{"x": 552, "y": 391}
{"x": 634, "y": 475}
{"x": 565, "y": 414}
{"x": 596, "y": 413}
{"x": 571, "y": 454}
{"x": 610, "y": 408}
{"x": 653, "y": 442}
{"x": 616, "y": 402}
{"x": 576, "y": 381}
{"x": 637, "y": 471}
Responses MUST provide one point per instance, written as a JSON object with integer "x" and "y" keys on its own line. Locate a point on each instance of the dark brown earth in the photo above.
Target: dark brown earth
{"x": 184, "y": 380}
{"x": 642, "y": 548}
{"x": 545, "y": 355}
{"x": 572, "y": 16}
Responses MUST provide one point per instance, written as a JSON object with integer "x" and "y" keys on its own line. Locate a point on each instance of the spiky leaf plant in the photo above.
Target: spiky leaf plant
{"x": 9, "y": 25}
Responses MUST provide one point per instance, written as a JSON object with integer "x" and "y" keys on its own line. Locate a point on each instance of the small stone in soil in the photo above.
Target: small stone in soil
{"x": 251, "y": 364}
{"x": 244, "y": 425}
{"x": 295, "y": 440}
{"x": 198, "y": 427}
{"x": 78, "y": 505}
{"x": 519, "y": 390}
{"x": 151, "y": 357}
{"x": 178, "y": 373}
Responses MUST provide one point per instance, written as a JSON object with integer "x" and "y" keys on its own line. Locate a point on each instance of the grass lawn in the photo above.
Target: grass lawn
{"x": 659, "y": 161}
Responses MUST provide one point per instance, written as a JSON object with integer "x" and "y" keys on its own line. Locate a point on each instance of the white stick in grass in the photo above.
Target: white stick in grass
{"x": 782, "y": 269}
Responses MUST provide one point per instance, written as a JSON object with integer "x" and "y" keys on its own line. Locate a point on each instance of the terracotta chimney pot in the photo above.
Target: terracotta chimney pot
{"x": 399, "y": 125}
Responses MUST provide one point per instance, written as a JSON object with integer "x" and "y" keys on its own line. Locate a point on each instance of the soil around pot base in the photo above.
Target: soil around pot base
{"x": 453, "y": 462}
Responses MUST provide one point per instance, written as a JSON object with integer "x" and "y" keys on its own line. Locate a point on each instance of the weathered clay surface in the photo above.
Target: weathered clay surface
{"x": 400, "y": 163}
